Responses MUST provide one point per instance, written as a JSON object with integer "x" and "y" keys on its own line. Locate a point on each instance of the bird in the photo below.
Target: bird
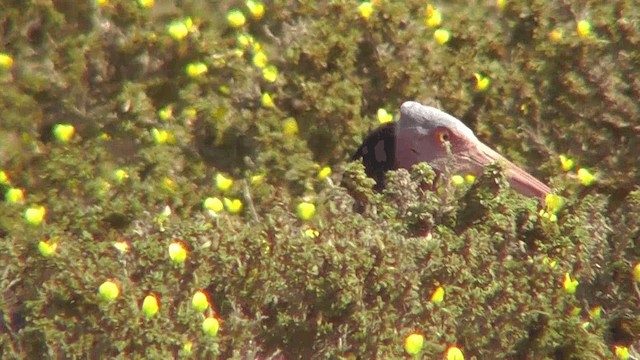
{"x": 426, "y": 134}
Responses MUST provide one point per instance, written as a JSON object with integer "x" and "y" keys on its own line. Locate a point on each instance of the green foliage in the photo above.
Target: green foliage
{"x": 364, "y": 281}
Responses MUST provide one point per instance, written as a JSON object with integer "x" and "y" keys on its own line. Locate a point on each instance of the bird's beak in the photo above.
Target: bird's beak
{"x": 520, "y": 180}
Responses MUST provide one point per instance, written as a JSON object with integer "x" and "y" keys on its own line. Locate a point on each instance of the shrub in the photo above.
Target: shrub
{"x": 162, "y": 100}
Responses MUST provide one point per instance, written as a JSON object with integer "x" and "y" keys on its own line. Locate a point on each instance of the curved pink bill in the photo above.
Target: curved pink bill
{"x": 520, "y": 180}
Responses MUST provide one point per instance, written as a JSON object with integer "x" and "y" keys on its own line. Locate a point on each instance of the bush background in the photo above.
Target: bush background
{"x": 365, "y": 282}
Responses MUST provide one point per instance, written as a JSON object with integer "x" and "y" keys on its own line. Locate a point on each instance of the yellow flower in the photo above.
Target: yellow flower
{"x": 553, "y": 203}
{"x": 256, "y": 9}
{"x": 189, "y": 23}
{"x": 595, "y": 312}
{"x": 454, "y": 353}
{"x": 570, "y": 285}
{"x": 162, "y": 136}
{"x": 210, "y": 326}
{"x": 442, "y": 36}
{"x": 177, "y": 29}
{"x": 200, "y": 301}
{"x": 566, "y": 163}
{"x": 501, "y": 4}
{"x": 187, "y": 348}
{"x": 102, "y": 3}
{"x": 547, "y": 215}
{"x": 166, "y": 113}
{"x": 122, "y": 246}
{"x": 636, "y": 272}
{"x": 223, "y": 183}
{"x": 177, "y": 252}
{"x": 260, "y": 59}
{"x": 233, "y": 206}
{"x": 365, "y": 9}
{"x": 245, "y": 41}
{"x": 433, "y": 17}
{"x": 150, "y": 306}
{"x": 438, "y": 295}
{"x": 384, "y": 116}
{"x": 47, "y": 249}
{"x": 585, "y": 177}
{"x": 267, "y": 101}
{"x": 120, "y": 175}
{"x": 270, "y": 73}
{"x": 482, "y": 82}
{"x": 413, "y": 344}
{"x": 35, "y": 215}
{"x": 324, "y": 173}
{"x": 168, "y": 184}
{"x": 214, "y": 204}
{"x": 14, "y": 195}
{"x": 147, "y": 4}
{"x": 311, "y": 233}
{"x": 4, "y": 178}
{"x": 108, "y": 291}
{"x": 189, "y": 113}
{"x": 236, "y": 19}
{"x": 289, "y": 126}
{"x": 257, "y": 179}
{"x": 550, "y": 262}
{"x": 195, "y": 70}
{"x": 305, "y": 210}
{"x": 224, "y": 89}
{"x": 555, "y": 35}
{"x": 622, "y": 352}
{"x": 583, "y": 28}
{"x": 6, "y": 61}
{"x": 63, "y": 132}
{"x": 457, "y": 180}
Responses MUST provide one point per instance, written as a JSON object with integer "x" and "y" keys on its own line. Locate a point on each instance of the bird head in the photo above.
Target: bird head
{"x": 425, "y": 133}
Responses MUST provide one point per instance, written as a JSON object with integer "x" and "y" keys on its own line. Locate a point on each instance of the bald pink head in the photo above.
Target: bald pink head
{"x": 427, "y": 134}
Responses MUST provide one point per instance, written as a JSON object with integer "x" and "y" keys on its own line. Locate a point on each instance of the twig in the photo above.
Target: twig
{"x": 247, "y": 196}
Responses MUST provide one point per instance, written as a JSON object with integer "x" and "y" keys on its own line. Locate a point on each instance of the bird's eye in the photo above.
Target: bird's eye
{"x": 442, "y": 136}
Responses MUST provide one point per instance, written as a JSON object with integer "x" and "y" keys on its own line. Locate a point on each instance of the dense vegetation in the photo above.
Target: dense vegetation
{"x": 120, "y": 118}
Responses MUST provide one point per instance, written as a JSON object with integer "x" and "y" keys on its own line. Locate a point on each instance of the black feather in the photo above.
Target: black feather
{"x": 377, "y": 168}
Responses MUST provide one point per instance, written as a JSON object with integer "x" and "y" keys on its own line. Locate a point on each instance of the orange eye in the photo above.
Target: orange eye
{"x": 442, "y": 136}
